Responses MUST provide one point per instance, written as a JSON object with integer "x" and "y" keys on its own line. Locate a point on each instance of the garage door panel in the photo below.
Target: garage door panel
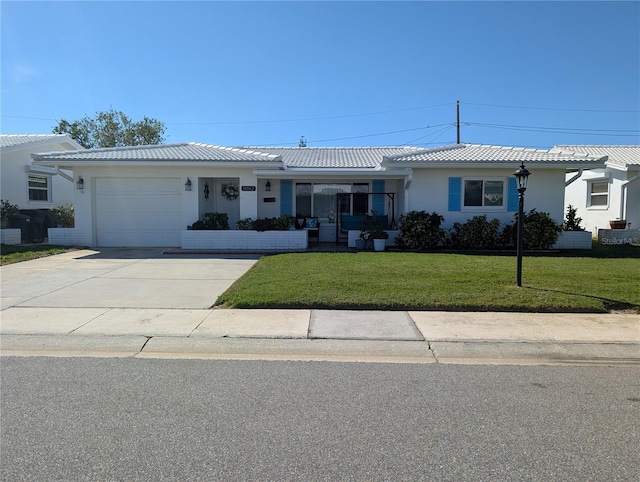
{"x": 138, "y": 212}
{"x": 137, "y": 186}
{"x": 143, "y": 203}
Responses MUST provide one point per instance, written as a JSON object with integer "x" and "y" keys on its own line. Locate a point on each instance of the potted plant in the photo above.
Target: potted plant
{"x": 6, "y": 211}
{"x": 618, "y": 224}
{"x": 373, "y": 229}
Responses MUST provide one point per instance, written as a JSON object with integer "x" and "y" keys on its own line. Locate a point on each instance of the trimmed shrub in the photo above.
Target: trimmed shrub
{"x": 63, "y": 215}
{"x": 216, "y": 221}
{"x": 283, "y": 223}
{"x": 244, "y": 224}
{"x": 540, "y": 231}
{"x": 420, "y": 230}
{"x": 262, "y": 224}
{"x": 7, "y": 209}
{"x": 476, "y": 233}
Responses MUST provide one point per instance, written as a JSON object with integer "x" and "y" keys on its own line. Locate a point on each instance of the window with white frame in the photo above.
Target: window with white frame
{"x": 484, "y": 193}
{"x": 599, "y": 193}
{"x": 39, "y": 187}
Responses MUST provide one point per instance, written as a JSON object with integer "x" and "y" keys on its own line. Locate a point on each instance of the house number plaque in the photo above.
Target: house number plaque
{"x": 248, "y": 188}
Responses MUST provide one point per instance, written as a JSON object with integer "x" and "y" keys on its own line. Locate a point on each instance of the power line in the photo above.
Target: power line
{"x": 357, "y": 137}
{"x": 554, "y": 108}
{"x": 559, "y": 130}
{"x": 343, "y": 116}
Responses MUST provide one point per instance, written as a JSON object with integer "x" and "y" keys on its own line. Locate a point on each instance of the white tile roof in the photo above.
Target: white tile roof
{"x": 486, "y": 154}
{"x": 11, "y": 140}
{"x": 621, "y": 155}
{"x": 191, "y": 151}
{"x": 334, "y": 157}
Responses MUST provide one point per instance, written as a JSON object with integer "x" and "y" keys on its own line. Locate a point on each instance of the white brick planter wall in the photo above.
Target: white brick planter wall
{"x": 10, "y": 236}
{"x": 63, "y": 236}
{"x": 574, "y": 240}
{"x": 245, "y": 240}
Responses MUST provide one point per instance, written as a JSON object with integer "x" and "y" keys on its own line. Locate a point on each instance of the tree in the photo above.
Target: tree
{"x": 112, "y": 129}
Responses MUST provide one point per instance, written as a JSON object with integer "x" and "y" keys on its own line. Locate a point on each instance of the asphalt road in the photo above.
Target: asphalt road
{"x": 128, "y": 419}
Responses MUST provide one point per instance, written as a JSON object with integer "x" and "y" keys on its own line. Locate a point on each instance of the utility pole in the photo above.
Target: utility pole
{"x": 458, "y": 119}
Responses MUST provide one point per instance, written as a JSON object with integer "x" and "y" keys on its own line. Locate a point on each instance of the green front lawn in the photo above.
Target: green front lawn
{"x": 605, "y": 280}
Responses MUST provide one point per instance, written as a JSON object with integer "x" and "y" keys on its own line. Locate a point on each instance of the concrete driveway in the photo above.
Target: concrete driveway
{"x": 121, "y": 278}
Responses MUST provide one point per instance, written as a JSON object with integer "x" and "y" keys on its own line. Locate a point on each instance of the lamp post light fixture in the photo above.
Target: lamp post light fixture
{"x": 522, "y": 175}
{"x": 80, "y": 184}
{"x": 187, "y": 185}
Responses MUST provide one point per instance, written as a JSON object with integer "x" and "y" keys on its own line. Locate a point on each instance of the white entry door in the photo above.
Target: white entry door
{"x": 138, "y": 212}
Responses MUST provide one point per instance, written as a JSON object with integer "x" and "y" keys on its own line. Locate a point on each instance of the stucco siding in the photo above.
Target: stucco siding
{"x": 14, "y": 185}
{"x": 429, "y": 191}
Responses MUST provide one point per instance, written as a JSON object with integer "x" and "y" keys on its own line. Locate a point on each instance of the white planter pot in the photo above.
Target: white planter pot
{"x": 379, "y": 244}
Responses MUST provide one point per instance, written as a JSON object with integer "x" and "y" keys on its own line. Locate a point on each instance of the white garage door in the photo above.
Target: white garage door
{"x": 138, "y": 212}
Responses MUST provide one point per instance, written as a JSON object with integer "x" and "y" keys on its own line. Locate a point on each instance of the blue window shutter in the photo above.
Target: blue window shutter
{"x": 455, "y": 193}
{"x": 512, "y": 194}
{"x": 377, "y": 203}
{"x": 286, "y": 196}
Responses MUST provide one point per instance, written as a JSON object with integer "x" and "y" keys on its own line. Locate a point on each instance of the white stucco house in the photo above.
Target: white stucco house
{"x": 149, "y": 195}
{"x": 30, "y": 186}
{"x": 607, "y": 193}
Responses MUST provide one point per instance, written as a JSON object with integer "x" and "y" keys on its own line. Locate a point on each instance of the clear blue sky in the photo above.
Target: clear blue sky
{"x": 530, "y": 74}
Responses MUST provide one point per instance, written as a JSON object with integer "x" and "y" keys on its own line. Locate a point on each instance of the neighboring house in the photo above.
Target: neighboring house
{"x": 609, "y": 193}
{"x": 30, "y": 186}
{"x": 148, "y": 195}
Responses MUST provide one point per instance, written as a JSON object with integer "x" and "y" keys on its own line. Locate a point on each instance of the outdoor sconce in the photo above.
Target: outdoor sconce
{"x": 80, "y": 184}
{"x": 522, "y": 175}
{"x": 187, "y": 185}
{"x": 267, "y": 186}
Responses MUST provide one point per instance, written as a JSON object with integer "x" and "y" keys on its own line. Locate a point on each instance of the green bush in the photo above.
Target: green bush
{"x": 540, "y": 231}
{"x": 63, "y": 215}
{"x": 263, "y": 224}
{"x": 476, "y": 233}
{"x": 420, "y": 230}
{"x": 571, "y": 220}
{"x": 283, "y": 223}
{"x": 244, "y": 224}
{"x": 7, "y": 209}
{"x": 216, "y": 221}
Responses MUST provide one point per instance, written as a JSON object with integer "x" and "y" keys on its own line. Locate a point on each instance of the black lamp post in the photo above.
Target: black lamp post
{"x": 521, "y": 176}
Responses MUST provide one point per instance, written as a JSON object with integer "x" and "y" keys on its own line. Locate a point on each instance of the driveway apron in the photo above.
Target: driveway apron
{"x": 121, "y": 278}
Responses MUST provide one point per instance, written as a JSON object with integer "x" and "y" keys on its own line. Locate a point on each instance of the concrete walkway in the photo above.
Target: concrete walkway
{"x": 141, "y": 303}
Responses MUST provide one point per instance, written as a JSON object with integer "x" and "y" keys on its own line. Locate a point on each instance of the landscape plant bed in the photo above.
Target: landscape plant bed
{"x": 439, "y": 281}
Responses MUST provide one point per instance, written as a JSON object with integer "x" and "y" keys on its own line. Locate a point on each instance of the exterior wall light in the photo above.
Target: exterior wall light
{"x": 187, "y": 185}
{"x": 267, "y": 186}
{"x": 80, "y": 184}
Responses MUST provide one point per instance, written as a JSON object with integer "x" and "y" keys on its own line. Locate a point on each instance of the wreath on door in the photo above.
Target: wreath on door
{"x": 230, "y": 192}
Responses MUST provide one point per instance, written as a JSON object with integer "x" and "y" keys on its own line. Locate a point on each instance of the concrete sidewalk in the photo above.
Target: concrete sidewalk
{"x": 383, "y": 336}
{"x": 144, "y": 303}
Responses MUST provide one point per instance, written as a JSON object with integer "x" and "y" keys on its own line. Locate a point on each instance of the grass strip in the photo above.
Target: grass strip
{"x": 16, "y": 253}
